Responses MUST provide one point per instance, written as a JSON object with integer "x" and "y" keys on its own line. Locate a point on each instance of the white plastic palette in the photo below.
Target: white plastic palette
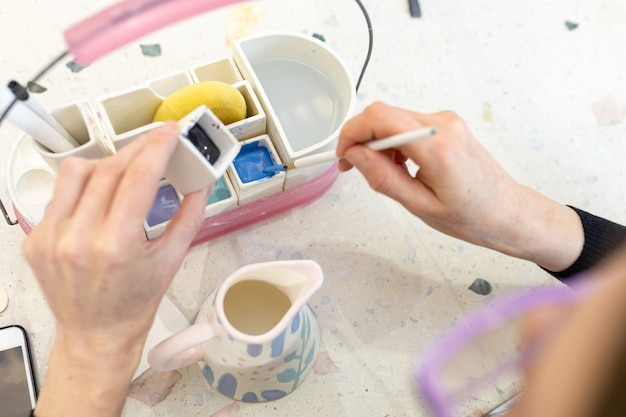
{"x": 298, "y": 95}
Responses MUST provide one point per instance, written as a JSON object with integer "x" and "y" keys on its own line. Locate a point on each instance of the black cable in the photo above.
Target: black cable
{"x": 49, "y": 66}
{"x": 370, "y": 45}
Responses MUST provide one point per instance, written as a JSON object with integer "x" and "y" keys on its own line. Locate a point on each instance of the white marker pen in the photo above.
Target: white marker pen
{"x": 28, "y": 115}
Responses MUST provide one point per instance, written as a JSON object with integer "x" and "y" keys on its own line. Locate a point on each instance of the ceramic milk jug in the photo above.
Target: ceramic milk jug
{"x": 255, "y": 335}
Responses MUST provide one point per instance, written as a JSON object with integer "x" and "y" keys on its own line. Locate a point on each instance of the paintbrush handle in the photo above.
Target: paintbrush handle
{"x": 376, "y": 145}
{"x": 401, "y": 139}
{"x": 319, "y": 158}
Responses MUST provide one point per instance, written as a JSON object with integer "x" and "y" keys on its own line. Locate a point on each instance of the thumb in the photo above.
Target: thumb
{"x": 184, "y": 226}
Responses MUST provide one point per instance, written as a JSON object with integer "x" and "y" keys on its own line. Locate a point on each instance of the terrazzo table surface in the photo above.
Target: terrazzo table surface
{"x": 545, "y": 99}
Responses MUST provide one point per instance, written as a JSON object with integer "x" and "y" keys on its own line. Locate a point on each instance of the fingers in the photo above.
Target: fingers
{"x": 136, "y": 189}
{"x": 118, "y": 190}
{"x": 386, "y": 176}
{"x": 380, "y": 120}
{"x": 39, "y": 247}
{"x": 102, "y": 187}
{"x": 385, "y": 171}
{"x": 184, "y": 226}
{"x": 89, "y": 251}
{"x": 377, "y": 121}
{"x": 73, "y": 176}
{"x": 121, "y": 188}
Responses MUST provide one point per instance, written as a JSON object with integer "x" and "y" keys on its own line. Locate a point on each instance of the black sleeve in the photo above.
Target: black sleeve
{"x": 602, "y": 237}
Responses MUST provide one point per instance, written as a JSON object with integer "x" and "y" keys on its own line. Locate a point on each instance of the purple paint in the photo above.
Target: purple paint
{"x": 165, "y": 205}
{"x": 252, "y": 161}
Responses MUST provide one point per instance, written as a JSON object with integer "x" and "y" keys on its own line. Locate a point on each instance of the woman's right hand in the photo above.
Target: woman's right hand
{"x": 459, "y": 188}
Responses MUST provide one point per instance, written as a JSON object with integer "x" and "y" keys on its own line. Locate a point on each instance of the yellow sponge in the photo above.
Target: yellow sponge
{"x": 223, "y": 99}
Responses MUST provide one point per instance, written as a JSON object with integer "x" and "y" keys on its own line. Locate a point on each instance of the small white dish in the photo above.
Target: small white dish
{"x": 246, "y": 171}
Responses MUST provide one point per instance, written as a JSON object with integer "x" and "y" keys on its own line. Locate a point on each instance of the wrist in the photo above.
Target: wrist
{"x": 86, "y": 379}
{"x": 602, "y": 237}
{"x": 541, "y": 231}
{"x": 94, "y": 350}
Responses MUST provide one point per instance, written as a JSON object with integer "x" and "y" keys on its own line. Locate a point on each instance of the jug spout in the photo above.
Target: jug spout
{"x": 298, "y": 280}
{"x": 260, "y": 300}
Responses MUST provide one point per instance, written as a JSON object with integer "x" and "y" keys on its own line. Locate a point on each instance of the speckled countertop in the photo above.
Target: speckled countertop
{"x": 546, "y": 99}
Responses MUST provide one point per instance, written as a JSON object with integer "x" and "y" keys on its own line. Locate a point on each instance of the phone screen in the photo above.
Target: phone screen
{"x": 16, "y": 397}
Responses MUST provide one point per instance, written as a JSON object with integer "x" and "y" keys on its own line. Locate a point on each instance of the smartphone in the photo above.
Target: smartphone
{"x": 18, "y": 392}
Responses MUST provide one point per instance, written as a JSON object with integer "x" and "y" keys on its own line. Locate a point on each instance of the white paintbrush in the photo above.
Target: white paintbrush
{"x": 376, "y": 145}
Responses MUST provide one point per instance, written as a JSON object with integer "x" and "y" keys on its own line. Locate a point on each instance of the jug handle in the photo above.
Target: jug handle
{"x": 181, "y": 349}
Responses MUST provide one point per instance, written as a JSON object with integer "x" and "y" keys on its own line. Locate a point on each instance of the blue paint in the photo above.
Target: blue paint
{"x": 273, "y": 394}
{"x": 220, "y": 191}
{"x": 254, "y": 350}
{"x": 278, "y": 344}
{"x": 251, "y": 162}
{"x": 250, "y": 397}
{"x": 165, "y": 205}
{"x": 295, "y": 323}
{"x": 208, "y": 374}
{"x": 227, "y": 385}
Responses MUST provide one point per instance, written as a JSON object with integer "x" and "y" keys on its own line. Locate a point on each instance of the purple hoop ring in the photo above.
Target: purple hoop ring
{"x": 428, "y": 369}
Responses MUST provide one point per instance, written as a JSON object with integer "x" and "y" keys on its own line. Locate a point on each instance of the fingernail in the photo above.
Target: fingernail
{"x": 170, "y": 127}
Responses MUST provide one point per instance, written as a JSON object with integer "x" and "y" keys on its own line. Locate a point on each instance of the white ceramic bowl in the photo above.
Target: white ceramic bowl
{"x": 303, "y": 85}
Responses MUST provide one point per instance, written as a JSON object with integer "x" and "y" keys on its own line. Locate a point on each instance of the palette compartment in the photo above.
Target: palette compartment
{"x": 32, "y": 183}
{"x": 222, "y": 198}
{"x": 255, "y": 122}
{"x": 129, "y": 113}
{"x": 166, "y": 85}
{"x": 246, "y": 171}
{"x": 166, "y": 204}
{"x": 303, "y": 86}
{"x": 223, "y": 70}
{"x": 79, "y": 119}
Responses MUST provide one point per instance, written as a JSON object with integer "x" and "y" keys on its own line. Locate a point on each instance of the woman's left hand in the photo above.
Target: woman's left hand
{"x": 102, "y": 278}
